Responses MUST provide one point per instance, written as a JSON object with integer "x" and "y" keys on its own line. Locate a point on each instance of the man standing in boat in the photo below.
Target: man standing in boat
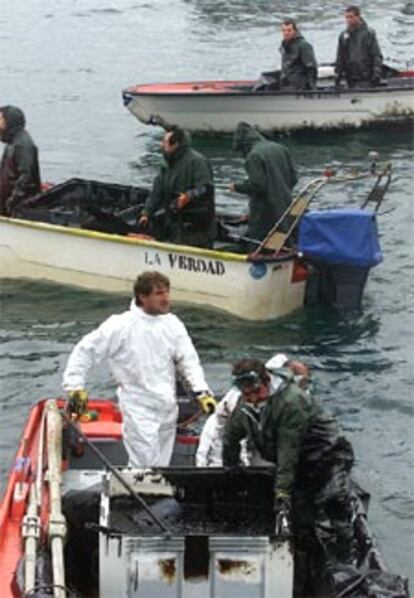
{"x": 271, "y": 178}
{"x": 313, "y": 459}
{"x": 358, "y": 56}
{"x": 184, "y": 190}
{"x": 19, "y": 167}
{"x": 299, "y": 67}
{"x": 144, "y": 347}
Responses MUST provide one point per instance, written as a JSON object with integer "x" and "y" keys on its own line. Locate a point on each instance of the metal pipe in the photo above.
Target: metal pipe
{"x": 31, "y": 534}
{"x": 57, "y": 522}
{"x": 31, "y": 520}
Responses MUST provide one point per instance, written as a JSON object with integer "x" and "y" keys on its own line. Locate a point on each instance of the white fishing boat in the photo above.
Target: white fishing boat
{"x": 217, "y": 106}
{"x": 257, "y": 289}
{"x": 85, "y": 233}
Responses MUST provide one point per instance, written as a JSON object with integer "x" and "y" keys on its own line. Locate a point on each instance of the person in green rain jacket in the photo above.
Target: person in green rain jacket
{"x": 313, "y": 459}
{"x": 299, "y": 66}
{"x": 19, "y": 166}
{"x": 184, "y": 190}
{"x": 271, "y": 178}
{"x": 358, "y": 56}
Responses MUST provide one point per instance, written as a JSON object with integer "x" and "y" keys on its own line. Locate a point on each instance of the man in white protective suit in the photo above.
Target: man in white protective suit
{"x": 144, "y": 347}
{"x": 209, "y": 450}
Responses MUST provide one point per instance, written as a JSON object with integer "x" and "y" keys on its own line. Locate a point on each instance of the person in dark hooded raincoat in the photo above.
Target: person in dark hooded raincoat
{"x": 313, "y": 459}
{"x": 19, "y": 167}
{"x": 271, "y": 178}
{"x": 358, "y": 56}
{"x": 184, "y": 190}
{"x": 299, "y": 66}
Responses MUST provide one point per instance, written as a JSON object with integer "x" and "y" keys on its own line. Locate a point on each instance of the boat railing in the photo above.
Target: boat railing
{"x": 284, "y": 227}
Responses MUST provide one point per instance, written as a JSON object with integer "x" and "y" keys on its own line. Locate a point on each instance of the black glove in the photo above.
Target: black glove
{"x": 10, "y": 204}
{"x": 282, "y": 508}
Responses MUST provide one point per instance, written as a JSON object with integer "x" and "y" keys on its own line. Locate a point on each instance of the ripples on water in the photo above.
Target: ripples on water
{"x": 66, "y": 64}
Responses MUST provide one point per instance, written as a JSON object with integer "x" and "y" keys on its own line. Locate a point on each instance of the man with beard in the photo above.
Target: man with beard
{"x": 184, "y": 191}
{"x": 358, "y": 57}
{"x": 299, "y": 67}
{"x": 271, "y": 176}
{"x": 144, "y": 348}
{"x": 19, "y": 167}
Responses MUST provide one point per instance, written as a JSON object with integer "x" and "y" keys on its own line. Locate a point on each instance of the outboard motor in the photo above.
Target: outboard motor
{"x": 341, "y": 246}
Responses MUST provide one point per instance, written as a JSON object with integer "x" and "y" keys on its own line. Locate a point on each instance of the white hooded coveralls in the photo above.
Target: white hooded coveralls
{"x": 143, "y": 353}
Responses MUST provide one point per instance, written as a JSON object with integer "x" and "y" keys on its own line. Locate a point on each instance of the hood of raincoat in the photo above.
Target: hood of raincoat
{"x": 181, "y": 150}
{"x": 245, "y": 137}
{"x": 15, "y": 121}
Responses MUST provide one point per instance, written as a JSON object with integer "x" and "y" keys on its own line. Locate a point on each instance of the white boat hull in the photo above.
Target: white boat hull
{"x": 220, "y": 112}
{"x": 258, "y": 290}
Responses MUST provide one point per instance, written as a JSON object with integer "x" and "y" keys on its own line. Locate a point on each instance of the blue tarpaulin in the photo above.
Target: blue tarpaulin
{"x": 346, "y": 236}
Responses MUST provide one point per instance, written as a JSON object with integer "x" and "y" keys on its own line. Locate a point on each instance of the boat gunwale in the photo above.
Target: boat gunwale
{"x": 188, "y": 90}
{"x": 152, "y": 244}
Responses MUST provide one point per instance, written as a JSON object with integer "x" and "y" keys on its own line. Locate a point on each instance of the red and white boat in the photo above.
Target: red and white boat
{"x": 66, "y": 527}
{"x": 217, "y": 106}
{"x": 76, "y": 521}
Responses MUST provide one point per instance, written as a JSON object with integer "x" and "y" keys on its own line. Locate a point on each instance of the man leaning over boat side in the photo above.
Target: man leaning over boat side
{"x": 358, "y": 56}
{"x": 313, "y": 461}
{"x": 271, "y": 176}
{"x": 210, "y": 446}
{"x": 299, "y": 67}
{"x": 184, "y": 190}
{"x": 144, "y": 347}
{"x": 19, "y": 167}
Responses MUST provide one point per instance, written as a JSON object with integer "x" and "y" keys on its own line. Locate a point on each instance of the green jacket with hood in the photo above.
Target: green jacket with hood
{"x": 185, "y": 171}
{"x": 19, "y": 167}
{"x": 271, "y": 178}
{"x": 299, "y": 66}
{"x": 289, "y": 429}
{"x": 358, "y": 56}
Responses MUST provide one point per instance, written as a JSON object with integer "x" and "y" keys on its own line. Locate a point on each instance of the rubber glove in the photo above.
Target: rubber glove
{"x": 143, "y": 221}
{"x": 206, "y": 401}
{"x": 180, "y": 203}
{"x": 282, "y": 508}
{"x": 78, "y": 401}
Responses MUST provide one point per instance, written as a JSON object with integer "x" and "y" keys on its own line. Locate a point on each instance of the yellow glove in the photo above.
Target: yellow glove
{"x": 78, "y": 401}
{"x": 207, "y": 402}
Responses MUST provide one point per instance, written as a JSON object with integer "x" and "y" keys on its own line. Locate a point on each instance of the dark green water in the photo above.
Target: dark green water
{"x": 65, "y": 64}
